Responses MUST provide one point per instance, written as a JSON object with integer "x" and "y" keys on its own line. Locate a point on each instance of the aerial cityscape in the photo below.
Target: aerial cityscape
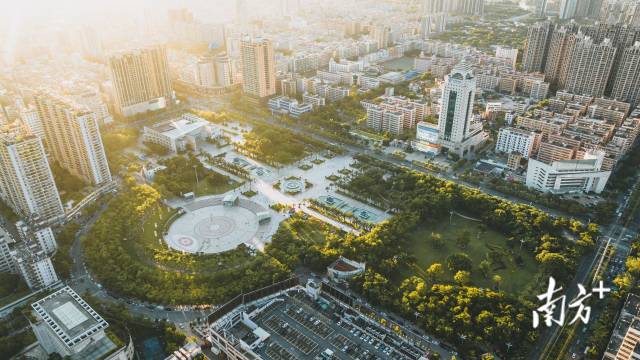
{"x": 320, "y": 179}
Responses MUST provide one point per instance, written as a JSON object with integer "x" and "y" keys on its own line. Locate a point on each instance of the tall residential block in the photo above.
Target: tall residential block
{"x": 568, "y": 9}
{"x": 34, "y": 266}
{"x": 258, "y": 67}
{"x": 535, "y": 50}
{"x": 26, "y": 181}
{"x": 381, "y": 34}
{"x": 72, "y": 136}
{"x": 590, "y": 65}
{"x": 541, "y": 8}
{"x": 224, "y": 75}
{"x": 6, "y": 261}
{"x": 626, "y": 85}
{"x": 141, "y": 80}
{"x": 560, "y": 49}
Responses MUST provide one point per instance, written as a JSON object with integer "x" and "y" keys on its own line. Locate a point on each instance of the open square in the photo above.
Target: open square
{"x": 210, "y": 225}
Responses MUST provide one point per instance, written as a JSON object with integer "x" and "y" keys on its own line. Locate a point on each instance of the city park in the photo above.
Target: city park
{"x": 254, "y": 216}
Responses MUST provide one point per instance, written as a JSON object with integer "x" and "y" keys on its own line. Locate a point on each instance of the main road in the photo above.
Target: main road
{"x": 354, "y": 149}
{"x": 82, "y": 281}
{"x": 617, "y": 240}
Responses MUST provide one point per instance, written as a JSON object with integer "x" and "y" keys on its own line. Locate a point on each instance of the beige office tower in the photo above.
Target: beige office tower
{"x": 26, "y": 181}
{"x": 626, "y": 84}
{"x": 73, "y": 138}
{"x": 141, "y": 80}
{"x": 258, "y": 67}
{"x": 590, "y": 66}
{"x": 535, "y": 50}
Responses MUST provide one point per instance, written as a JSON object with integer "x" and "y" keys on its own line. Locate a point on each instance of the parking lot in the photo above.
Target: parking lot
{"x": 301, "y": 328}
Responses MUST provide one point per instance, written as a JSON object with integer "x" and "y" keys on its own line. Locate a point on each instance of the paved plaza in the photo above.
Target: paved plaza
{"x": 207, "y": 226}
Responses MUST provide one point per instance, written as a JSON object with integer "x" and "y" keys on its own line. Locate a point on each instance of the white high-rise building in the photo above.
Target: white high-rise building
{"x": 43, "y": 236}
{"x": 31, "y": 120}
{"x": 34, "y": 265}
{"x": 65, "y": 324}
{"x": 73, "y": 138}
{"x": 224, "y": 74}
{"x": 26, "y": 181}
{"x": 459, "y": 132}
{"x": 205, "y": 72}
{"x": 381, "y": 35}
{"x": 567, "y": 9}
{"x": 592, "y": 58}
{"x": 433, "y": 24}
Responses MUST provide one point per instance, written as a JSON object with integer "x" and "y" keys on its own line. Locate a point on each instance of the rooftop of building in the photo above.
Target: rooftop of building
{"x": 627, "y": 318}
{"x": 179, "y": 127}
{"x": 292, "y": 325}
{"x": 68, "y": 316}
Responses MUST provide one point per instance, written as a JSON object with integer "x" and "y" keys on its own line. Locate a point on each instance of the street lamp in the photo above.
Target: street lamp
{"x": 195, "y": 169}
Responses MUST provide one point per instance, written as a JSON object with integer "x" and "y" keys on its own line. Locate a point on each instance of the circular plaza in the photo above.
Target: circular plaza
{"x": 217, "y": 224}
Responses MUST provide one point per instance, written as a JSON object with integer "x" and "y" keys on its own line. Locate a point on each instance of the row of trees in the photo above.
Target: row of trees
{"x": 115, "y": 141}
{"x": 626, "y": 283}
{"x": 182, "y": 174}
{"x": 125, "y": 273}
{"x": 474, "y": 319}
{"x": 273, "y": 146}
{"x": 520, "y": 191}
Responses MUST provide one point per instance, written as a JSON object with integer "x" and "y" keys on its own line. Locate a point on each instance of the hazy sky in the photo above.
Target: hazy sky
{"x": 78, "y": 11}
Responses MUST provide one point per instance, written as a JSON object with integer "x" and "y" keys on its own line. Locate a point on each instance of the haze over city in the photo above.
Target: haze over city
{"x": 320, "y": 179}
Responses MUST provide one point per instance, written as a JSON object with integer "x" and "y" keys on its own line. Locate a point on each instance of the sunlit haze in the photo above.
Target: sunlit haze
{"x": 320, "y": 179}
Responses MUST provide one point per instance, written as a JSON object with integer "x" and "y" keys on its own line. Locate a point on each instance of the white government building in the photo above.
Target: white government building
{"x": 177, "y": 134}
{"x": 566, "y": 176}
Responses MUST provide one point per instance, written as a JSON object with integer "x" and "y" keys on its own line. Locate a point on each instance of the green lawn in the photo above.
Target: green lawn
{"x": 205, "y": 188}
{"x": 310, "y": 229}
{"x": 515, "y": 278}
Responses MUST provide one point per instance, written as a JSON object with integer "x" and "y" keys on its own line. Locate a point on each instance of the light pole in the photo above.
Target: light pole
{"x": 195, "y": 169}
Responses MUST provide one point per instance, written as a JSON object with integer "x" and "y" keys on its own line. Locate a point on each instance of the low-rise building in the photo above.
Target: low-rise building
{"x": 344, "y": 269}
{"x": 525, "y": 142}
{"x": 178, "y": 134}
{"x": 513, "y": 161}
{"x": 289, "y": 106}
{"x": 65, "y": 324}
{"x": 624, "y": 343}
{"x": 313, "y": 99}
{"x": 567, "y": 176}
{"x": 332, "y": 93}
